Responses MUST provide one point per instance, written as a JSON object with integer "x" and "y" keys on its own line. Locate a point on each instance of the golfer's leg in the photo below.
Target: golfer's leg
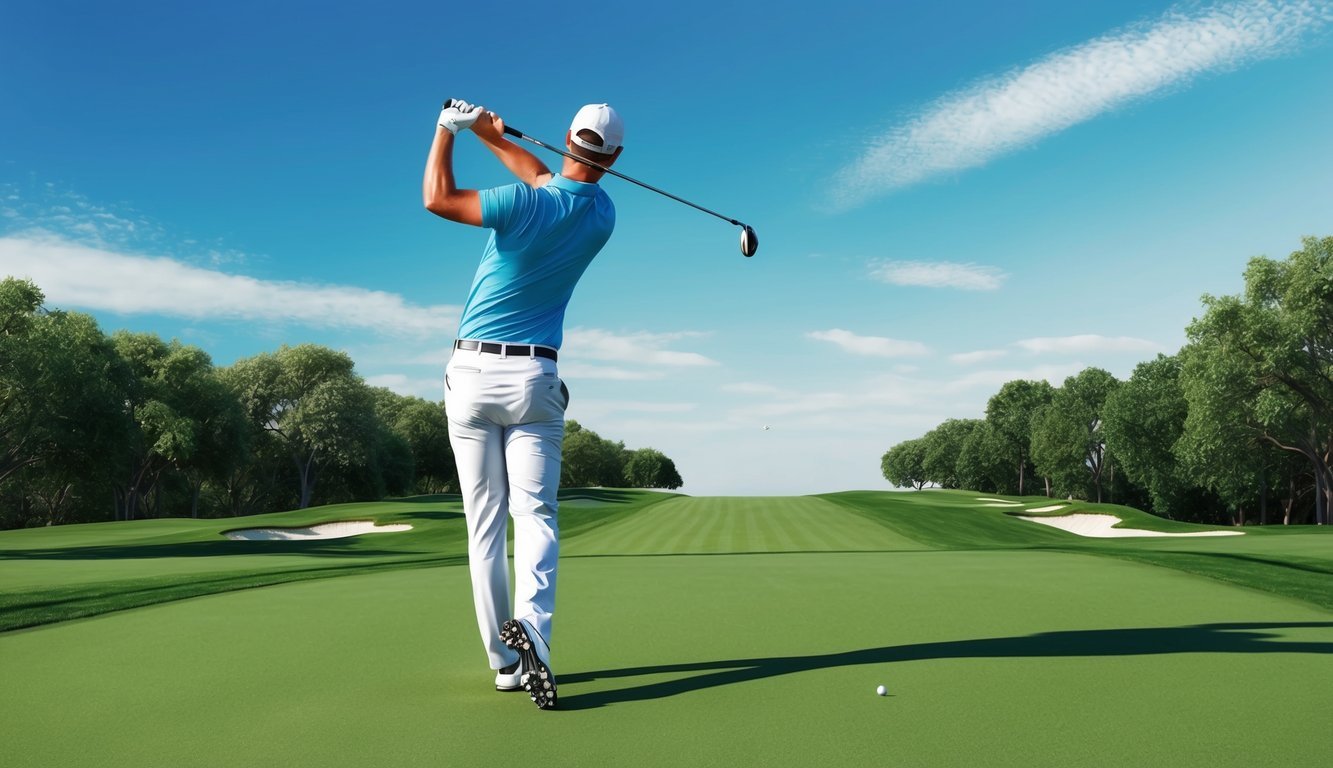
{"x": 532, "y": 453}
{"x": 479, "y": 452}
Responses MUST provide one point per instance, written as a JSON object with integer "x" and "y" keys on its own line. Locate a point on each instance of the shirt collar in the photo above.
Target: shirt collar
{"x": 573, "y": 187}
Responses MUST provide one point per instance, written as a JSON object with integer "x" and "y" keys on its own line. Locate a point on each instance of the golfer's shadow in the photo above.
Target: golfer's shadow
{"x": 1203, "y": 638}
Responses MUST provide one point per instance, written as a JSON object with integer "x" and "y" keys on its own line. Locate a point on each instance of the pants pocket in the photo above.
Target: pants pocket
{"x": 546, "y": 397}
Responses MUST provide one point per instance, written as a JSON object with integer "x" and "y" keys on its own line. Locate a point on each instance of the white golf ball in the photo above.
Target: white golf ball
{"x": 882, "y": 691}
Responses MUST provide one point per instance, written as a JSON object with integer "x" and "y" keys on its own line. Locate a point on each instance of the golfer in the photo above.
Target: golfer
{"x": 506, "y": 403}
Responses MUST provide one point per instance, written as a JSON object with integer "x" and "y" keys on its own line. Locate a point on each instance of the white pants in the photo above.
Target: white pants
{"x": 506, "y": 426}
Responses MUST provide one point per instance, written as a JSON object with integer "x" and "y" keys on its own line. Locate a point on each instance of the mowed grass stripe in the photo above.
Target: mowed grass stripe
{"x": 739, "y": 525}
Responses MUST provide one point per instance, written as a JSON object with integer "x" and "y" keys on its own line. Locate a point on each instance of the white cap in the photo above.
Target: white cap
{"x": 602, "y": 120}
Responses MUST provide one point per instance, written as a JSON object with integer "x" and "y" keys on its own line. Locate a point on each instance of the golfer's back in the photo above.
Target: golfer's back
{"x": 542, "y": 241}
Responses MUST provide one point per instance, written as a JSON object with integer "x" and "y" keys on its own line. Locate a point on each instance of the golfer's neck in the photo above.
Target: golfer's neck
{"x": 576, "y": 171}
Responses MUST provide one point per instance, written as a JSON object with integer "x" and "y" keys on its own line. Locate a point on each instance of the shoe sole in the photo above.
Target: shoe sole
{"x": 537, "y": 679}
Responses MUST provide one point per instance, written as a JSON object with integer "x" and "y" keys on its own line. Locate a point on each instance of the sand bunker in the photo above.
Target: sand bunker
{"x": 326, "y": 531}
{"x": 1099, "y": 526}
{"x": 1049, "y": 509}
{"x": 1002, "y": 501}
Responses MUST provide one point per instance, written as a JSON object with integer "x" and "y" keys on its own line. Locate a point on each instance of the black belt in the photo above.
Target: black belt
{"x": 509, "y": 350}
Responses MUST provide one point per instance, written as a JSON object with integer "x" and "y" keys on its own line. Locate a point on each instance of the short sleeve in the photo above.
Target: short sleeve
{"x": 503, "y": 208}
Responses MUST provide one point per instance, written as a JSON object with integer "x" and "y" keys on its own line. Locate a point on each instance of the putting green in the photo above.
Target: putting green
{"x": 1017, "y": 656}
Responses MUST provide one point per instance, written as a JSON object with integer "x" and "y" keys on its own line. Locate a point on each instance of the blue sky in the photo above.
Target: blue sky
{"x": 948, "y": 195}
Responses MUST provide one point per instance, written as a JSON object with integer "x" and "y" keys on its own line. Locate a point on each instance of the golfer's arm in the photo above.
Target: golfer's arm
{"x": 439, "y": 193}
{"x": 520, "y": 162}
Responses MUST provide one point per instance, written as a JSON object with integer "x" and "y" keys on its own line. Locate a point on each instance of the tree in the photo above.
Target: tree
{"x": 1010, "y": 413}
{"x": 943, "y": 447}
{"x": 184, "y": 420}
{"x": 60, "y": 381}
{"x": 650, "y": 468}
{"x": 62, "y": 418}
{"x": 983, "y": 462}
{"x": 590, "y": 461}
{"x": 904, "y": 464}
{"x": 311, "y": 402}
{"x": 1068, "y": 443}
{"x": 1269, "y": 353}
{"x": 425, "y": 428}
{"x": 1144, "y": 419}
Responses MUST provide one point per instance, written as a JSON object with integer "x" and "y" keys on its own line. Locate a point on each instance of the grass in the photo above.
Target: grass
{"x": 1295, "y": 562}
{"x": 67, "y": 572}
{"x": 689, "y": 632}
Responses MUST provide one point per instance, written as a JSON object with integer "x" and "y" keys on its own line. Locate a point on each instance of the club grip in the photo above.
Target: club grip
{"x": 513, "y": 132}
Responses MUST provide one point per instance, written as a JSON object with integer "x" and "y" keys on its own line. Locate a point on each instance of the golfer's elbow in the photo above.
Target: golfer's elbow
{"x": 436, "y": 205}
{"x": 462, "y": 206}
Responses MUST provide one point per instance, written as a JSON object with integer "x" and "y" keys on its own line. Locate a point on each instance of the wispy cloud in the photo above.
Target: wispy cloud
{"x": 1087, "y": 343}
{"x": 872, "y": 346}
{"x": 969, "y": 127}
{"x": 576, "y": 371}
{"x": 979, "y": 356}
{"x": 750, "y": 388}
{"x": 637, "y": 348}
{"x": 78, "y": 276}
{"x": 598, "y": 409}
{"x": 994, "y": 379}
{"x": 939, "y": 274}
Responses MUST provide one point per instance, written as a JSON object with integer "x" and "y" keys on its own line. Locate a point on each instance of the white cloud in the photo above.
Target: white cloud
{"x": 575, "y": 371}
{"x": 862, "y": 402}
{"x": 751, "y": 388}
{"x": 596, "y": 409}
{"x": 939, "y": 274}
{"x": 1086, "y": 344}
{"x": 993, "y": 380}
{"x": 873, "y": 346}
{"x": 979, "y": 356}
{"x": 968, "y": 128}
{"x": 640, "y": 347}
{"x": 73, "y": 275}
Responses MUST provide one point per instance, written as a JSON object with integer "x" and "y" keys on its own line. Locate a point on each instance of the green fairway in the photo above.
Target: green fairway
{"x": 66, "y": 572}
{"x": 689, "y": 632}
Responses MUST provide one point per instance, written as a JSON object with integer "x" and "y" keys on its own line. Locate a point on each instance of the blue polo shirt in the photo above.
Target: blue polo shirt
{"x": 543, "y": 240}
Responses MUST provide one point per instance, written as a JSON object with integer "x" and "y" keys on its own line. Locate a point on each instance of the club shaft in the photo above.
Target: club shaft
{"x": 519, "y": 134}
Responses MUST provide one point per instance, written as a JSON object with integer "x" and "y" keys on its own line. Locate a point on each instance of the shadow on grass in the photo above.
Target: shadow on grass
{"x": 1306, "y": 565}
{"x": 604, "y": 495}
{"x": 432, "y": 498}
{"x": 21, "y": 611}
{"x": 1204, "y": 638}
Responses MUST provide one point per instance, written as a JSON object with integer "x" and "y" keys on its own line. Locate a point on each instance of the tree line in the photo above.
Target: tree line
{"x": 1237, "y": 423}
{"x": 126, "y": 426}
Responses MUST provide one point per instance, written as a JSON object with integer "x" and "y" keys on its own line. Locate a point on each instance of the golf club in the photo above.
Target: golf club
{"x": 749, "y": 240}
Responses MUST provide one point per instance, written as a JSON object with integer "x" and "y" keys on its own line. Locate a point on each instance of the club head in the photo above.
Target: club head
{"x": 749, "y": 241}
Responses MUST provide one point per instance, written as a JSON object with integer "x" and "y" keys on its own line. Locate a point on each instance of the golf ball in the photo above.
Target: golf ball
{"x": 882, "y": 691}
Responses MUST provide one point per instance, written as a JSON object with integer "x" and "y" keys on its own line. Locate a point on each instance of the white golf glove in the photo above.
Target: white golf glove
{"x": 458, "y": 115}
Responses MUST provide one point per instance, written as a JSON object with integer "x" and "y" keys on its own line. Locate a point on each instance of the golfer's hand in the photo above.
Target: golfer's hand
{"x": 489, "y": 127}
{"x": 457, "y": 115}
